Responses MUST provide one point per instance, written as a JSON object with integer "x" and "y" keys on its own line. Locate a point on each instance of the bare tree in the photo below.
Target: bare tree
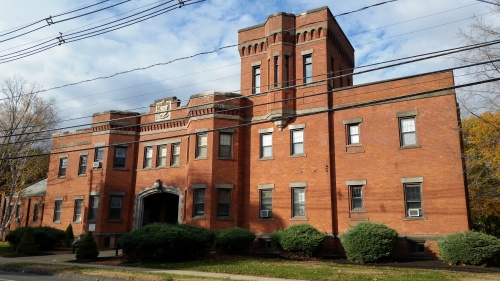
{"x": 484, "y": 97}
{"x": 25, "y": 123}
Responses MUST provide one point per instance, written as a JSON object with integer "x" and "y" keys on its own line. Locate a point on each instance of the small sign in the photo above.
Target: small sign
{"x": 92, "y": 227}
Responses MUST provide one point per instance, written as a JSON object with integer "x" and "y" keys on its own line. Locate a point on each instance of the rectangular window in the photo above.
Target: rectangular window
{"x": 148, "y": 157}
{"x": 413, "y": 200}
{"x": 276, "y": 67}
{"x": 297, "y": 142}
{"x": 266, "y": 203}
{"x": 82, "y": 167}
{"x": 93, "y": 207}
{"x": 287, "y": 70}
{"x": 120, "y": 157}
{"x": 63, "y": 162}
{"x": 161, "y": 160}
{"x": 266, "y": 145}
{"x": 356, "y": 192}
{"x": 77, "y": 216}
{"x": 99, "y": 154}
{"x": 115, "y": 207}
{"x": 18, "y": 212}
{"x": 201, "y": 146}
{"x": 353, "y": 134}
{"x": 199, "y": 202}
{"x": 299, "y": 202}
{"x": 57, "y": 210}
{"x": 223, "y": 202}
{"x": 341, "y": 78}
{"x": 407, "y": 131}
{"x": 176, "y": 154}
{"x": 225, "y": 145}
{"x": 332, "y": 74}
{"x": 256, "y": 80}
{"x": 308, "y": 73}
{"x": 36, "y": 211}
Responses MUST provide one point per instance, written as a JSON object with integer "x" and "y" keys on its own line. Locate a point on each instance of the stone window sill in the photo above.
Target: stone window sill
{"x": 265, "y": 219}
{"x": 201, "y": 158}
{"x": 358, "y": 211}
{"x": 119, "y": 169}
{"x": 301, "y": 218}
{"x": 410, "y": 146}
{"x": 226, "y": 158}
{"x": 198, "y": 218}
{"x": 415, "y": 219}
{"x": 266, "y": 158}
{"x": 354, "y": 145}
{"x": 358, "y": 219}
{"x": 355, "y": 151}
{"x": 298, "y": 155}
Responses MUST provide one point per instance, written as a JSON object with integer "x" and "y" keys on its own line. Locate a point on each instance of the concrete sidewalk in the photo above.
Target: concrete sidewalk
{"x": 65, "y": 259}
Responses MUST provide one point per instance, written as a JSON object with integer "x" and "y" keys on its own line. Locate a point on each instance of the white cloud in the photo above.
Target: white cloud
{"x": 203, "y": 27}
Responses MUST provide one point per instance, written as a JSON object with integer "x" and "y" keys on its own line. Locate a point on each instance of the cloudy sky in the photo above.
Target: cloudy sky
{"x": 392, "y": 30}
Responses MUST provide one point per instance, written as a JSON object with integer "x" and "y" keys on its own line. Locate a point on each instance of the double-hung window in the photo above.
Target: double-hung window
{"x": 99, "y": 155}
{"x": 297, "y": 142}
{"x": 120, "y": 157}
{"x": 353, "y": 134}
{"x": 407, "y": 129}
{"x": 413, "y": 199}
{"x": 308, "y": 70}
{"x": 299, "y": 202}
{"x": 63, "y": 162}
{"x": 161, "y": 160}
{"x": 266, "y": 145}
{"x": 93, "y": 207}
{"x": 266, "y": 203}
{"x": 255, "y": 79}
{"x": 356, "y": 192}
{"x": 36, "y": 211}
{"x": 115, "y": 207}
{"x": 77, "y": 216}
{"x": 82, "y": 167}
{"x": 287, "y": 70}
{"x": 148, "y": 157}
{"x": 276, "y": 72}
{"x": 198, "y": 202}
{"x": 18, "y": 212}
{"x": 201, "y": 145}
{"x": 57, "y": 210}
{"x": 176, "y": 154}
{"x": 223, "y": 202}
{"x": 225, "y": 145}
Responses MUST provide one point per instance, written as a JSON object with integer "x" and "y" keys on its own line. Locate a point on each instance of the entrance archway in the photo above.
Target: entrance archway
{"x": 158, "y": 204}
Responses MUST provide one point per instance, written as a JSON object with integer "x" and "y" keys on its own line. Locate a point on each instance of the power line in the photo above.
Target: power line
{"x": 493, "y": 3}
{"x": 405, "y": 60}
{"x": 229, "y": 99}
{"x": 340, "y": 108}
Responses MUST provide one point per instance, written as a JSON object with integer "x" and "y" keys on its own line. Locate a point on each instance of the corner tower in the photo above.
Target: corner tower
{"x": 288, "y": 61}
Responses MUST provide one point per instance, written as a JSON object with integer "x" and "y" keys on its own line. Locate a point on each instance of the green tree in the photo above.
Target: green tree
{"x": 482, "y": 159}
{"x": 69, "y": 236}
{"x": 88, "y": 248}
{"x": 27, "y": 245}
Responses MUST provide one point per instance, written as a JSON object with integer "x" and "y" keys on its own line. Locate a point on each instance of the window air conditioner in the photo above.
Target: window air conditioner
{"x": 265, "y": 213}
{"x": 413, "y": 212}
{"x": 96, "y": 164}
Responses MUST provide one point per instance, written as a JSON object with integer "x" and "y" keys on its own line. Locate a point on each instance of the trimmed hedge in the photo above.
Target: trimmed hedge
{"x": 27, "y": 245}
{"x": 368, "y": 242}
{"x": 46, "y": 238}
{"x": 234, "y": 239}
{"x": 299, "y": 239}
{"x": 166, "y": 242}
{"x": 87, "y": 248}
{"x": 469, "y": 247}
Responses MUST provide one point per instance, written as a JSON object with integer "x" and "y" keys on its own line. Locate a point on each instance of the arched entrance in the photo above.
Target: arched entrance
{"x": 159, "y": 203}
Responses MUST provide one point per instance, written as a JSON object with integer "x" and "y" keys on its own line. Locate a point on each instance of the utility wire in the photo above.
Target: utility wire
{"x": 340, "y": 108}
{"x": 405, "y": 60}
{"x": 221, "y": 101}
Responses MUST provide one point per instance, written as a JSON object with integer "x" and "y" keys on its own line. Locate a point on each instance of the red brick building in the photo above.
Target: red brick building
{"x": 300, "y": 144}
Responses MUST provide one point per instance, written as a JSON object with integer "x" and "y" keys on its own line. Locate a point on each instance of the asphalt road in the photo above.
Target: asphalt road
{"x": 18, "y": 276}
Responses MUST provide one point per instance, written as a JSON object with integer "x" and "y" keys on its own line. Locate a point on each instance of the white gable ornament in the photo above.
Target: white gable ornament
{"x": 163, "y": 110}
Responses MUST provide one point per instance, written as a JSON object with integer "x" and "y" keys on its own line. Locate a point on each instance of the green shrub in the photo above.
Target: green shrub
{"x": 469, "y": 247}
{"x": 166, "y": 242}
{"x": 68, "y": 239}
{"x": 87, "y": 248}
{"x": 46, "y": 238}
{"x": 368, "y": 242}
{"x": 299, "y": 239}
{"x": 27, "y": 245}
{"x": 234, "y": 239}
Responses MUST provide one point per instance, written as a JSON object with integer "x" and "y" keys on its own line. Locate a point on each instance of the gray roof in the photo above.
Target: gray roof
{"x": 36, "y": 189}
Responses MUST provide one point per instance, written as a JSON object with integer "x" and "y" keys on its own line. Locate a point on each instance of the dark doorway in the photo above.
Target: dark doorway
{"x": 160, "y": 207}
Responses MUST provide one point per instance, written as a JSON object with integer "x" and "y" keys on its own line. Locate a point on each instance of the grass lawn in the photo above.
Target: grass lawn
{"x": 5, "y": 249}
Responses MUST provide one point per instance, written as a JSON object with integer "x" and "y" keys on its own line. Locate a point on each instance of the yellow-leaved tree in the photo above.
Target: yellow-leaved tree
{"x": 482, "y": 158}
